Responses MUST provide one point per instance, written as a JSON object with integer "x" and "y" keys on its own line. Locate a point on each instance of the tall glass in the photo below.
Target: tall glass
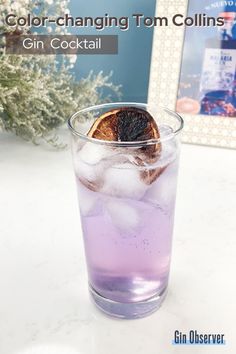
{"x": 127, "y": 212}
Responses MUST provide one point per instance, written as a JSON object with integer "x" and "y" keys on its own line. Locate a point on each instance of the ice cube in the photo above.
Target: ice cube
{"x": 86, "y": 171}
{"x": 169, "y": 147}
{"x": 123, "y": 180}
{"x": 88, "y": 164}
{"x": 124, "y": 217}
{"x": 92, "y": 153}
{"x": 163, "y": 191}
{"x": 88, "y": 201}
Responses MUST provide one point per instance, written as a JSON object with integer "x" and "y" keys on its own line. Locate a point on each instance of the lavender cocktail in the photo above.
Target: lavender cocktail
{"x": 126, "y": 192}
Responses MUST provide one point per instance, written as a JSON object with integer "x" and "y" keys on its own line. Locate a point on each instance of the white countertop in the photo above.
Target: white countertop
{"x": 43, "y": 286}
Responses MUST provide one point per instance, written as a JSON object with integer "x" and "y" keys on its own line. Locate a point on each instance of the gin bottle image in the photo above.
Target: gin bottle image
{"x": 218, "y": 70}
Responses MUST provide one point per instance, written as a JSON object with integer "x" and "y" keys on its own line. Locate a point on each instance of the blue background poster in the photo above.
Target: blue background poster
{"x": 207, "y": 80}
{"x": 131, "y": 66}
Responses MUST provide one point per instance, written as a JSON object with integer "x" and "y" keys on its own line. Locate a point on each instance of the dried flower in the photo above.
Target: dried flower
{"x": 39, "y": 93}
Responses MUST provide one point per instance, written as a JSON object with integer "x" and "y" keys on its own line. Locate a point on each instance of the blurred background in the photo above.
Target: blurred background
{"x": 63, "y": 85}
{"x": 131, "y": 66}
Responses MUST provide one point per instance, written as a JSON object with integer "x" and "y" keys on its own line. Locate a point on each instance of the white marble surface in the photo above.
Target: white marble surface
{"x": 43, "y": 286}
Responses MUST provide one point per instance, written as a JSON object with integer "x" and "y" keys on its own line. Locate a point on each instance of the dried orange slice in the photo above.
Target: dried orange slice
{"x": 127, "y": 124}
{"x": 105, "y": 127}
{"x": 130, "y": 124}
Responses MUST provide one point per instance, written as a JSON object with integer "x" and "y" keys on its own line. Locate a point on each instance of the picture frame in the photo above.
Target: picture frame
{"x": 167, "y": 52}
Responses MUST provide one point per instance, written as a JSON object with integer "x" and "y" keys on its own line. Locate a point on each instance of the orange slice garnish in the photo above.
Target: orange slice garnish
{"x": 130, "y": 124}
{"x": 127, "y": 124}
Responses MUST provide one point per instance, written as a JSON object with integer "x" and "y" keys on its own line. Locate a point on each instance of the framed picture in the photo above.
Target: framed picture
{"x": 193, "y": 69}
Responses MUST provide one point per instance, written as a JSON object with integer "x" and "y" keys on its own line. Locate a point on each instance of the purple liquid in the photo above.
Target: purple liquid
{"x": 128, "y": 241}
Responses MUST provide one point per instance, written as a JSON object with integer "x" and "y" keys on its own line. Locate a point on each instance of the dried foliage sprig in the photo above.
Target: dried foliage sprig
{"x": 39, "y": 93}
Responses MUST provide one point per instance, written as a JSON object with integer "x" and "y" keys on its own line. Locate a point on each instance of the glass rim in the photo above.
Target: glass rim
{"x": 141, "y": 143}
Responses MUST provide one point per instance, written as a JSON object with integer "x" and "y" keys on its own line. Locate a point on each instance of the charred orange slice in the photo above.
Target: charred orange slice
{"x": 130, "y": 124}
{"x": 105, "y": 127}
{"x": 127, "y": 124}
